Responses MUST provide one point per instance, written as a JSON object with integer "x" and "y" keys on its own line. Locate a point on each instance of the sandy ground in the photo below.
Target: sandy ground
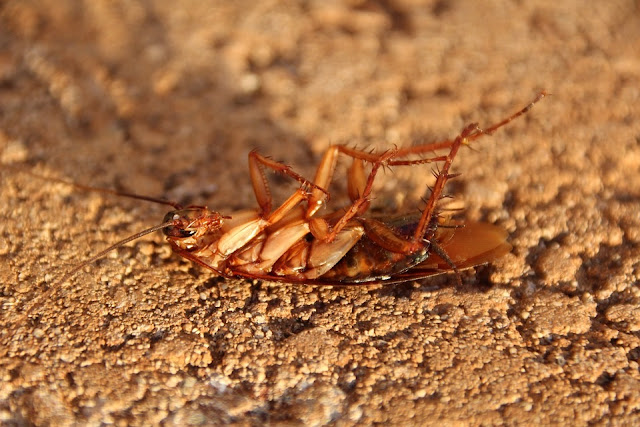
{"x": 167, "y": 98}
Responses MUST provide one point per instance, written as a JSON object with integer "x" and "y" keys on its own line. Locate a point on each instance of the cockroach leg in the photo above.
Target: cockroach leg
{"x": 438, "y": 250}
{"x": 293, "y": 200}
{"x": 356, "y": 177}
{"x": 359, "y": 193}
{"x": 357, "y": 180}
{"x": 257, "y": 162}
{"x": 360, "y": 205}
{"x": 424, "y": 232}
{"x": 438, "y": 187}
{"x": 469, "y": 133}
{"x": 236, "y": 238}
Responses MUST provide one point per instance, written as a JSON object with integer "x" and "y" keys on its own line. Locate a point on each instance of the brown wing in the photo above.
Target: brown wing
{"x": 474, "y": 244}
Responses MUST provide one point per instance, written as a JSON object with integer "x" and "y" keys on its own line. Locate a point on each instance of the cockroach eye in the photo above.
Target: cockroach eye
{"x": 175, "y": 231}
{"x": 171, "y": 216}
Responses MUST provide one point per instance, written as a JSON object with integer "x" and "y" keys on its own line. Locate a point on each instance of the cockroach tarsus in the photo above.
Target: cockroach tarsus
{"x": 294, "y": 243}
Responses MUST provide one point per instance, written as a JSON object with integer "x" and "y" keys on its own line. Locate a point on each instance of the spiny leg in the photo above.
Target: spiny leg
{"x": 441, "y": 180}
{"x": 470, "y": 133}
{"x": 359, "y": 205}
{"x": 325, "y": 171}
{"x": 360, "y": 200}
{"x": 434, "y": 146}
{"x": 267, "y": 218}
{"x": 257, "y": 162}
{"x": 357, "y": 179}
{"x": 263, "y": 195}
{"x": 324, "y": 174}
{"x": 318, "y": 194}
{"x": 360, "y": 195}
{"x": 422, "y": 231}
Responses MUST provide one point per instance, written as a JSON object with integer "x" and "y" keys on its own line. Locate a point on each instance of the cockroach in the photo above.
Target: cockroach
{"x": 296, "y": 243}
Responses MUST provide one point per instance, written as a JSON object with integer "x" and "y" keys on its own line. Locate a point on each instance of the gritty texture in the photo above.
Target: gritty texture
{"x": 168, "y": 98}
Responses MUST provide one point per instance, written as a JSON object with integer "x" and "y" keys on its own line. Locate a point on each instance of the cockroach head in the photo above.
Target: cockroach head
{"x": 192, "y": 222}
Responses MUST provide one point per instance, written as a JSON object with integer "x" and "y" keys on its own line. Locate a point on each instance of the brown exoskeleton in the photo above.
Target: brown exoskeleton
{"x": 295, "y": 243}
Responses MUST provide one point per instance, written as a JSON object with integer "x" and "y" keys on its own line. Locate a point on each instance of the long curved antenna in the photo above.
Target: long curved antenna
{"x": 96, "y": 189}
{"x": 103, "y": 252}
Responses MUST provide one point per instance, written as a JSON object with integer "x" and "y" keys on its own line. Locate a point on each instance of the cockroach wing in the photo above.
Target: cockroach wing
{"x": 474, "y": 244}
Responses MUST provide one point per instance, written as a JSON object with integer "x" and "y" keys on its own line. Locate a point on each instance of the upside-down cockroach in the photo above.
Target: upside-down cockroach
{"x": 297, "y": 243}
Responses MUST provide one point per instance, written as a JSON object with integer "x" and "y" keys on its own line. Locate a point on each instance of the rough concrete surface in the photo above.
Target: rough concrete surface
{"x": 168, "y": 97}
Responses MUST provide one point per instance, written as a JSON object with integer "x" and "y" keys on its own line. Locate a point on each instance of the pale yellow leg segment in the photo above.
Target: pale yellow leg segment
{"x": 257, "y": 162}
{"x": 356, "y": 179}
{"x": 323, "y": 177}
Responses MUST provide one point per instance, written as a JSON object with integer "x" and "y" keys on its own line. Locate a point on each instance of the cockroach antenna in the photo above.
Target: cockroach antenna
{"x": 69, "y": 274}
{"x": 116, "y": 245}
{"x": 89, "y": 188}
